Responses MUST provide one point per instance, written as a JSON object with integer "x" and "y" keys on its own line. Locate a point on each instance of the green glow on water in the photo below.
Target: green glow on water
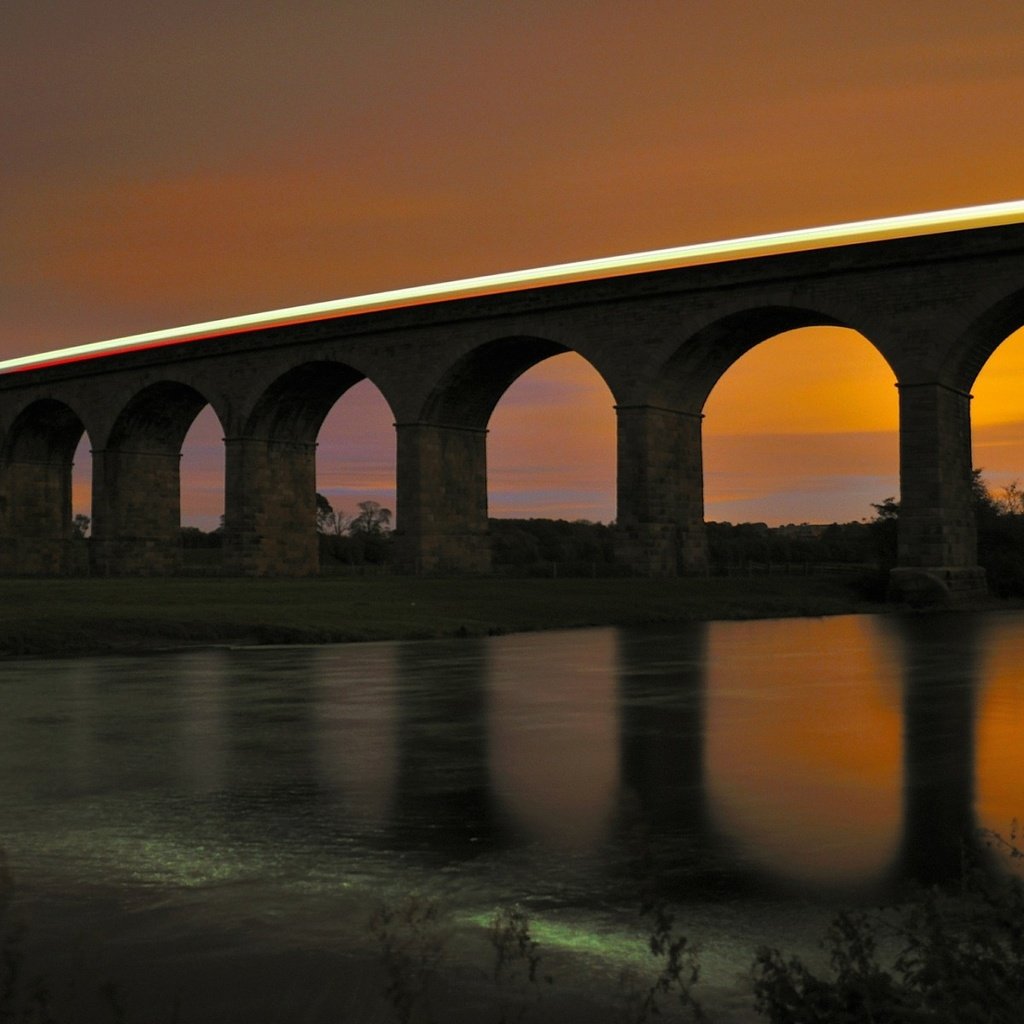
{"x": 575, "y": 937}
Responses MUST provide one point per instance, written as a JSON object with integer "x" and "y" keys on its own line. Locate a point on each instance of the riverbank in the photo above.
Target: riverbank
{"x": 61, "y": 617}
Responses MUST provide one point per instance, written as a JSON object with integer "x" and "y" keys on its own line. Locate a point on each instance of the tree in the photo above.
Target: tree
{"x": 373, "y": 518}
{"x": 999, "y": 520}
{"x": 1000, "y": 538}
{"x": 80, "y": 526}
{"x": 1011, "y": 501}
{"x": 884, "y": 531}
{"x": 889, "y": 509}
{"x": 329, "y": 522}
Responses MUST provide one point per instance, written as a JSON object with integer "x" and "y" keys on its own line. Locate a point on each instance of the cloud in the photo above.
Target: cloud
{"x": 780, "y": 478}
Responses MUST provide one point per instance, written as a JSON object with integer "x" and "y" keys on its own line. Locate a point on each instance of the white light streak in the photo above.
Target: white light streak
{"x": 829, "y": 236}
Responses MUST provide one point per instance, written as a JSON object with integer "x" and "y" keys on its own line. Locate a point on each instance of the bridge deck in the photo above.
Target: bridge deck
{"x": 829, "y": 236}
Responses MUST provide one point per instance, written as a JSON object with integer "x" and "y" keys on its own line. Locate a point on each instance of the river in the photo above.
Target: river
{"x": 213, "y": 829}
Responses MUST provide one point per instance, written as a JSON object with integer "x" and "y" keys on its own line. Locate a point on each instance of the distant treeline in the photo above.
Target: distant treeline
{"x": 736, "y": 547}
{"x": 1000, "y": 521}
{"x": 553, "y": 547}
{"x": 558, "y": 547}
{"x": 546, "y": 547}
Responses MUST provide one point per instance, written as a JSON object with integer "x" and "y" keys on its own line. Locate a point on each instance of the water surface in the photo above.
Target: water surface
{"x": 221, "y": 823}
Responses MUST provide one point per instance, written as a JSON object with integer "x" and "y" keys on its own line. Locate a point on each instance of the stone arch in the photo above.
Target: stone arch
{"x": 993, "y": 347}
{"x": 294, "y": 405}
{"x": 937, "y": 528}
{"x": 136, "y": 481}
{"x": 802, "y": 428}
{"x": 270, "y": 499}
{"x": 45, "y": 430}
{"x": 470, "y": 389}
{"x": 661, "y": 472}
{"x": 982, "y": 337}
{"x": 688, "y": 376}
{"x": 551, "y": 444}
{"x": 36, "y": 461}
{"x": 156, "y": 419}
{"x": 442, "y": 456}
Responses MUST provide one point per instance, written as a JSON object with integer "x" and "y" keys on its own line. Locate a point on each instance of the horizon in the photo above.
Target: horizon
{"x": 347, "y": 150}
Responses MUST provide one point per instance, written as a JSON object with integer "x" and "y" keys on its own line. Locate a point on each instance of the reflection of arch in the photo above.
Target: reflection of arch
{"x": 35, "y": 501}
{"x": 552, "y": 724}
{"x": 808, "y": 779}
{"x": 136, "y": 484}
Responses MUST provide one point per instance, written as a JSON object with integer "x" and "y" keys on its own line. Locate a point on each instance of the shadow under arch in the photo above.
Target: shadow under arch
{"x": 471, "y": 388}
{"x": 442, "y": 457}
{"x": 294, "y": 405}
{"x": 36, "y": 462}
{"x": 270, "y": 496}
{"x": 136, "y": 482}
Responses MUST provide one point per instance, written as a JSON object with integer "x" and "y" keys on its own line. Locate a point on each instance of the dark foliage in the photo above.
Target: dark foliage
{"x": 1000, "y": 525}
{"x": 1000, "y": 539}
{"x": 356, "y": 548}
{"x": 362, "y": 540}
{"x": 552, "y": 547}
{"x": 951, "y": 955}
{"x": 733, "y": 547}
{"x": 194, "y": 539}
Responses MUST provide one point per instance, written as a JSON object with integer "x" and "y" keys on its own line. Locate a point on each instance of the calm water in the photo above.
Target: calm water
{"x": 221, "y": 823}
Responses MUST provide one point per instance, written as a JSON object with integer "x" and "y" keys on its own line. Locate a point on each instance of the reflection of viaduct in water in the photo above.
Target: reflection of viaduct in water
{"x": 458, "y": 749}
{"x": 667, "y": 775}
{"x": 941, "y": 661}
{"x": 934, "y": 305}
{"x": 663, "y": 693}
{"x": 442, "y": 800}
{"x": 605, "y": 746}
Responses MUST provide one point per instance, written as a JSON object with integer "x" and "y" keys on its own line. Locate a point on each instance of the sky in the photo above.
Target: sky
{"x": 164, "y": 164}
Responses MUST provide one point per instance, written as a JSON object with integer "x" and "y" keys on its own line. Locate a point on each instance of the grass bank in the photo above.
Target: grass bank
{"x": 79, "y": 616}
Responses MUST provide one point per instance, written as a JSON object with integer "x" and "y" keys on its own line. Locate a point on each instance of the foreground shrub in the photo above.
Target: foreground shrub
{"x": 950, "y": 955}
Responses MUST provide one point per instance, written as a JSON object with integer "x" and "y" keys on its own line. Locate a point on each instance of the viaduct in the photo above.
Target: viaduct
{"x": 935, "y": 294}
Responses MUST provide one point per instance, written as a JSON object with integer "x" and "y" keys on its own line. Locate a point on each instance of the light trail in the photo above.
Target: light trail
{"x": 830, "y": 236}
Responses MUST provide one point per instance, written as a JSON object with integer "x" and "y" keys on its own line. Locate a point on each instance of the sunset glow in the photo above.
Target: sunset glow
{"x": 353, "y": 150}
{"x": 583, "y": 270}
{"x": 833, "y": 776}
{"x": 654, "y": 651}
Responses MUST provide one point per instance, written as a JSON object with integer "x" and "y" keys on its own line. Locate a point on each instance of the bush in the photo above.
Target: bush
{"x": 946, "y": 956}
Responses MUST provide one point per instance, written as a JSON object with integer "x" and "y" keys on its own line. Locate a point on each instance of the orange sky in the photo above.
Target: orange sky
{"x": 165, "y": 164}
